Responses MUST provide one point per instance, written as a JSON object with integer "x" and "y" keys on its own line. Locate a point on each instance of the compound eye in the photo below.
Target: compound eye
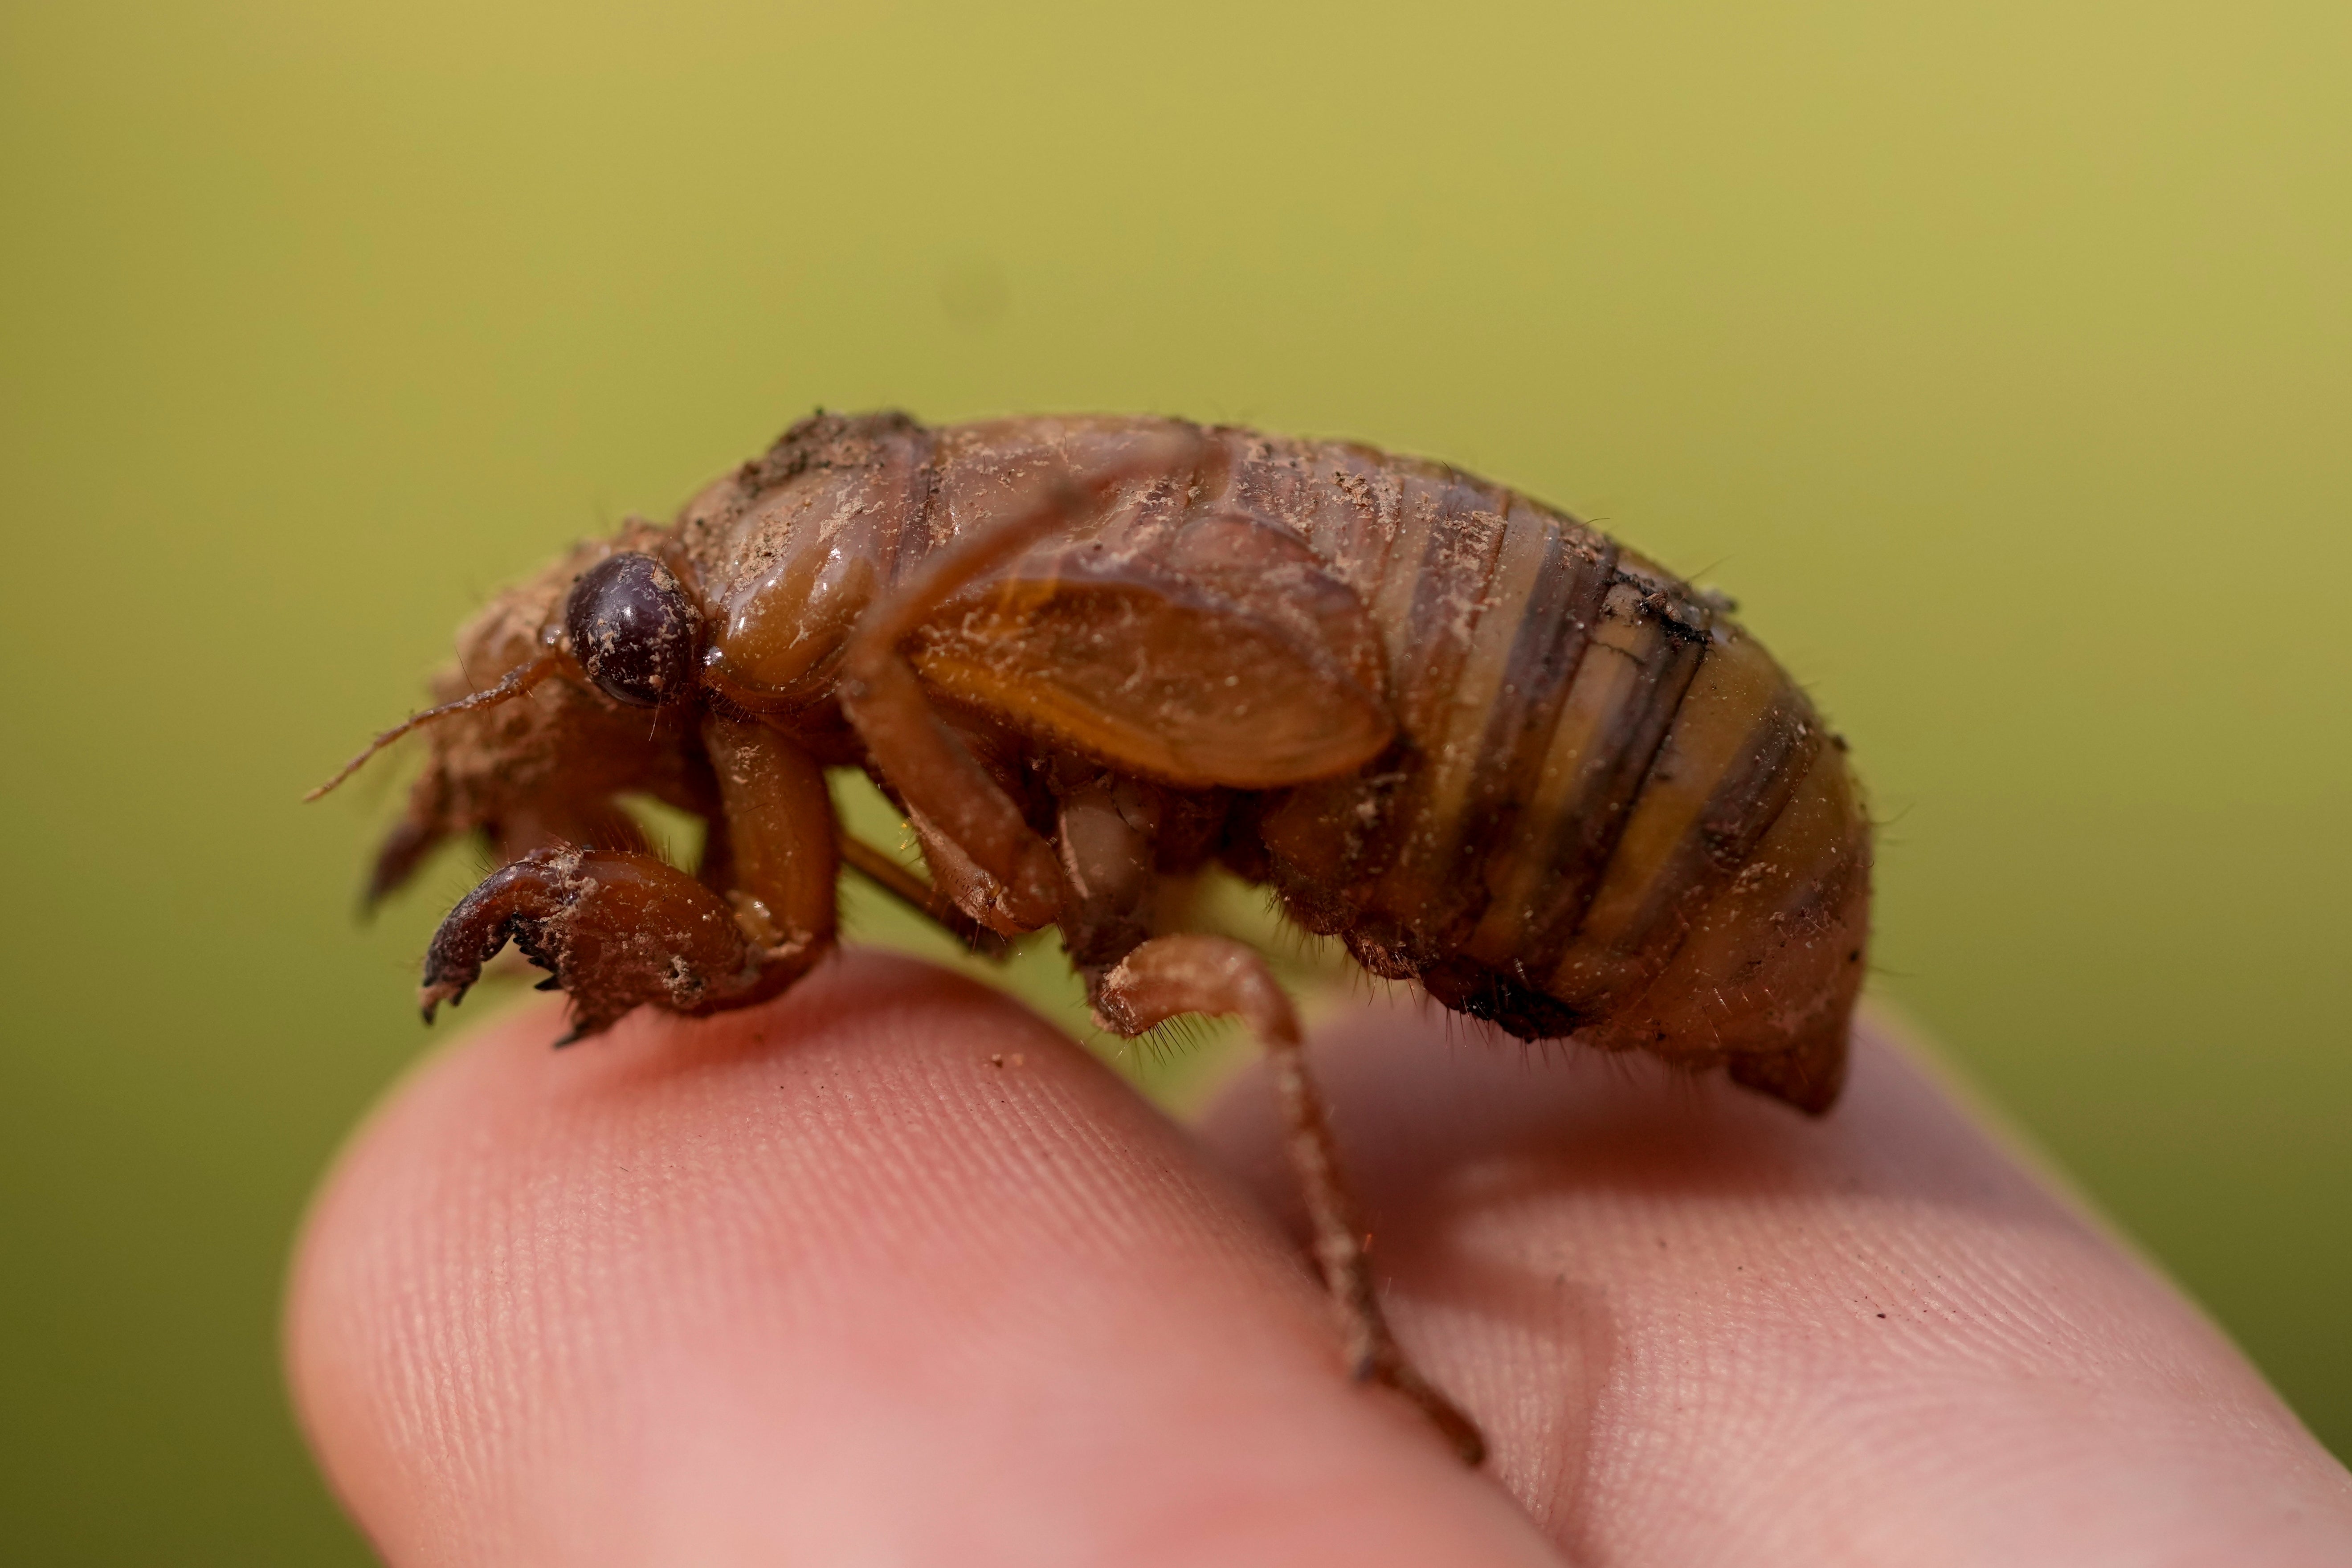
{"x": 633, "y": 629}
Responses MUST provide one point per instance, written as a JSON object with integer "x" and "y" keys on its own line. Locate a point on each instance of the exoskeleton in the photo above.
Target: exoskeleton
{"x": 1482, "y": 744}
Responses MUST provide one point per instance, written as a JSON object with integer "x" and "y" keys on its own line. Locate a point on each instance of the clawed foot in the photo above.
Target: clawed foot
{"x": 517, "y": 903}
{"x": 615, "y": 930}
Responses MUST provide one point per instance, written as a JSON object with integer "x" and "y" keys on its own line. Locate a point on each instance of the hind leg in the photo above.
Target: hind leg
{"x": 1169, "y": 975}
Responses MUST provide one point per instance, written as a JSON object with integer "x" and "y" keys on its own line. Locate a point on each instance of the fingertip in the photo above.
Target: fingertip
{"x": 888, "y": 1268}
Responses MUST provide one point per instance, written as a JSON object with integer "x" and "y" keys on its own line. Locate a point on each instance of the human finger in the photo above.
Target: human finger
{"x": 1702, "y": 1329}
{"x": 887, "y": 1271}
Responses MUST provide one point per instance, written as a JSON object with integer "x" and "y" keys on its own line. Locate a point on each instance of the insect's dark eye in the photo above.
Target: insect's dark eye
{"x": 633, "y": 629}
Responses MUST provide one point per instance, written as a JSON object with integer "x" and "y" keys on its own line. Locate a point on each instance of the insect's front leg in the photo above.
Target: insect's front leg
{"x": 1188, "y": 973}
{"x": 620, "y": 929}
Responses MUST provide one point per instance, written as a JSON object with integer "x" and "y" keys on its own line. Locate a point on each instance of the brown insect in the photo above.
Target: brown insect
{"x": 1478, "y": 742}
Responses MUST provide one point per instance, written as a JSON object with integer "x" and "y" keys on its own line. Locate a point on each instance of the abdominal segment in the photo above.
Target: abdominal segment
{"x": 1610, "y": 813}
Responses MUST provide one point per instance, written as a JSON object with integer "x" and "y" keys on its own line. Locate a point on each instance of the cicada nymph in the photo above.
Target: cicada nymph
{"x": 1479, "y": 743}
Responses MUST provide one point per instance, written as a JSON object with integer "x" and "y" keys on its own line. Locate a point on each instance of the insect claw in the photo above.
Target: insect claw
{"x": 572, "y": 1036}
{"x": 552, "y": 982}
{"x": 434, "y": 993}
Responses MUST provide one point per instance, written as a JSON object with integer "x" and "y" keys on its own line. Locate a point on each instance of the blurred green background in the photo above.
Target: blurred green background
{"x": 1998, "y": 357}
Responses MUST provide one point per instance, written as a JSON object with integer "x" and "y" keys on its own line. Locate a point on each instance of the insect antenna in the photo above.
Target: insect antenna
{"x": 514, "y": 683}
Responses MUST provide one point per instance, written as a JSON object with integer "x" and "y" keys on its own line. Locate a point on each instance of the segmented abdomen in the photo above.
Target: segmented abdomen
{"x": 1609, "y": 812}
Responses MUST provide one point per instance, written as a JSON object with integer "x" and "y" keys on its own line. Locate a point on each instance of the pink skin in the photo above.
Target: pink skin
{"x": 887, "y": 1271}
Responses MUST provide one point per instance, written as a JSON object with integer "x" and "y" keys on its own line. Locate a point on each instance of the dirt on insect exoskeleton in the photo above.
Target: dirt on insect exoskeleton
{"x": 1480, "y": 743}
